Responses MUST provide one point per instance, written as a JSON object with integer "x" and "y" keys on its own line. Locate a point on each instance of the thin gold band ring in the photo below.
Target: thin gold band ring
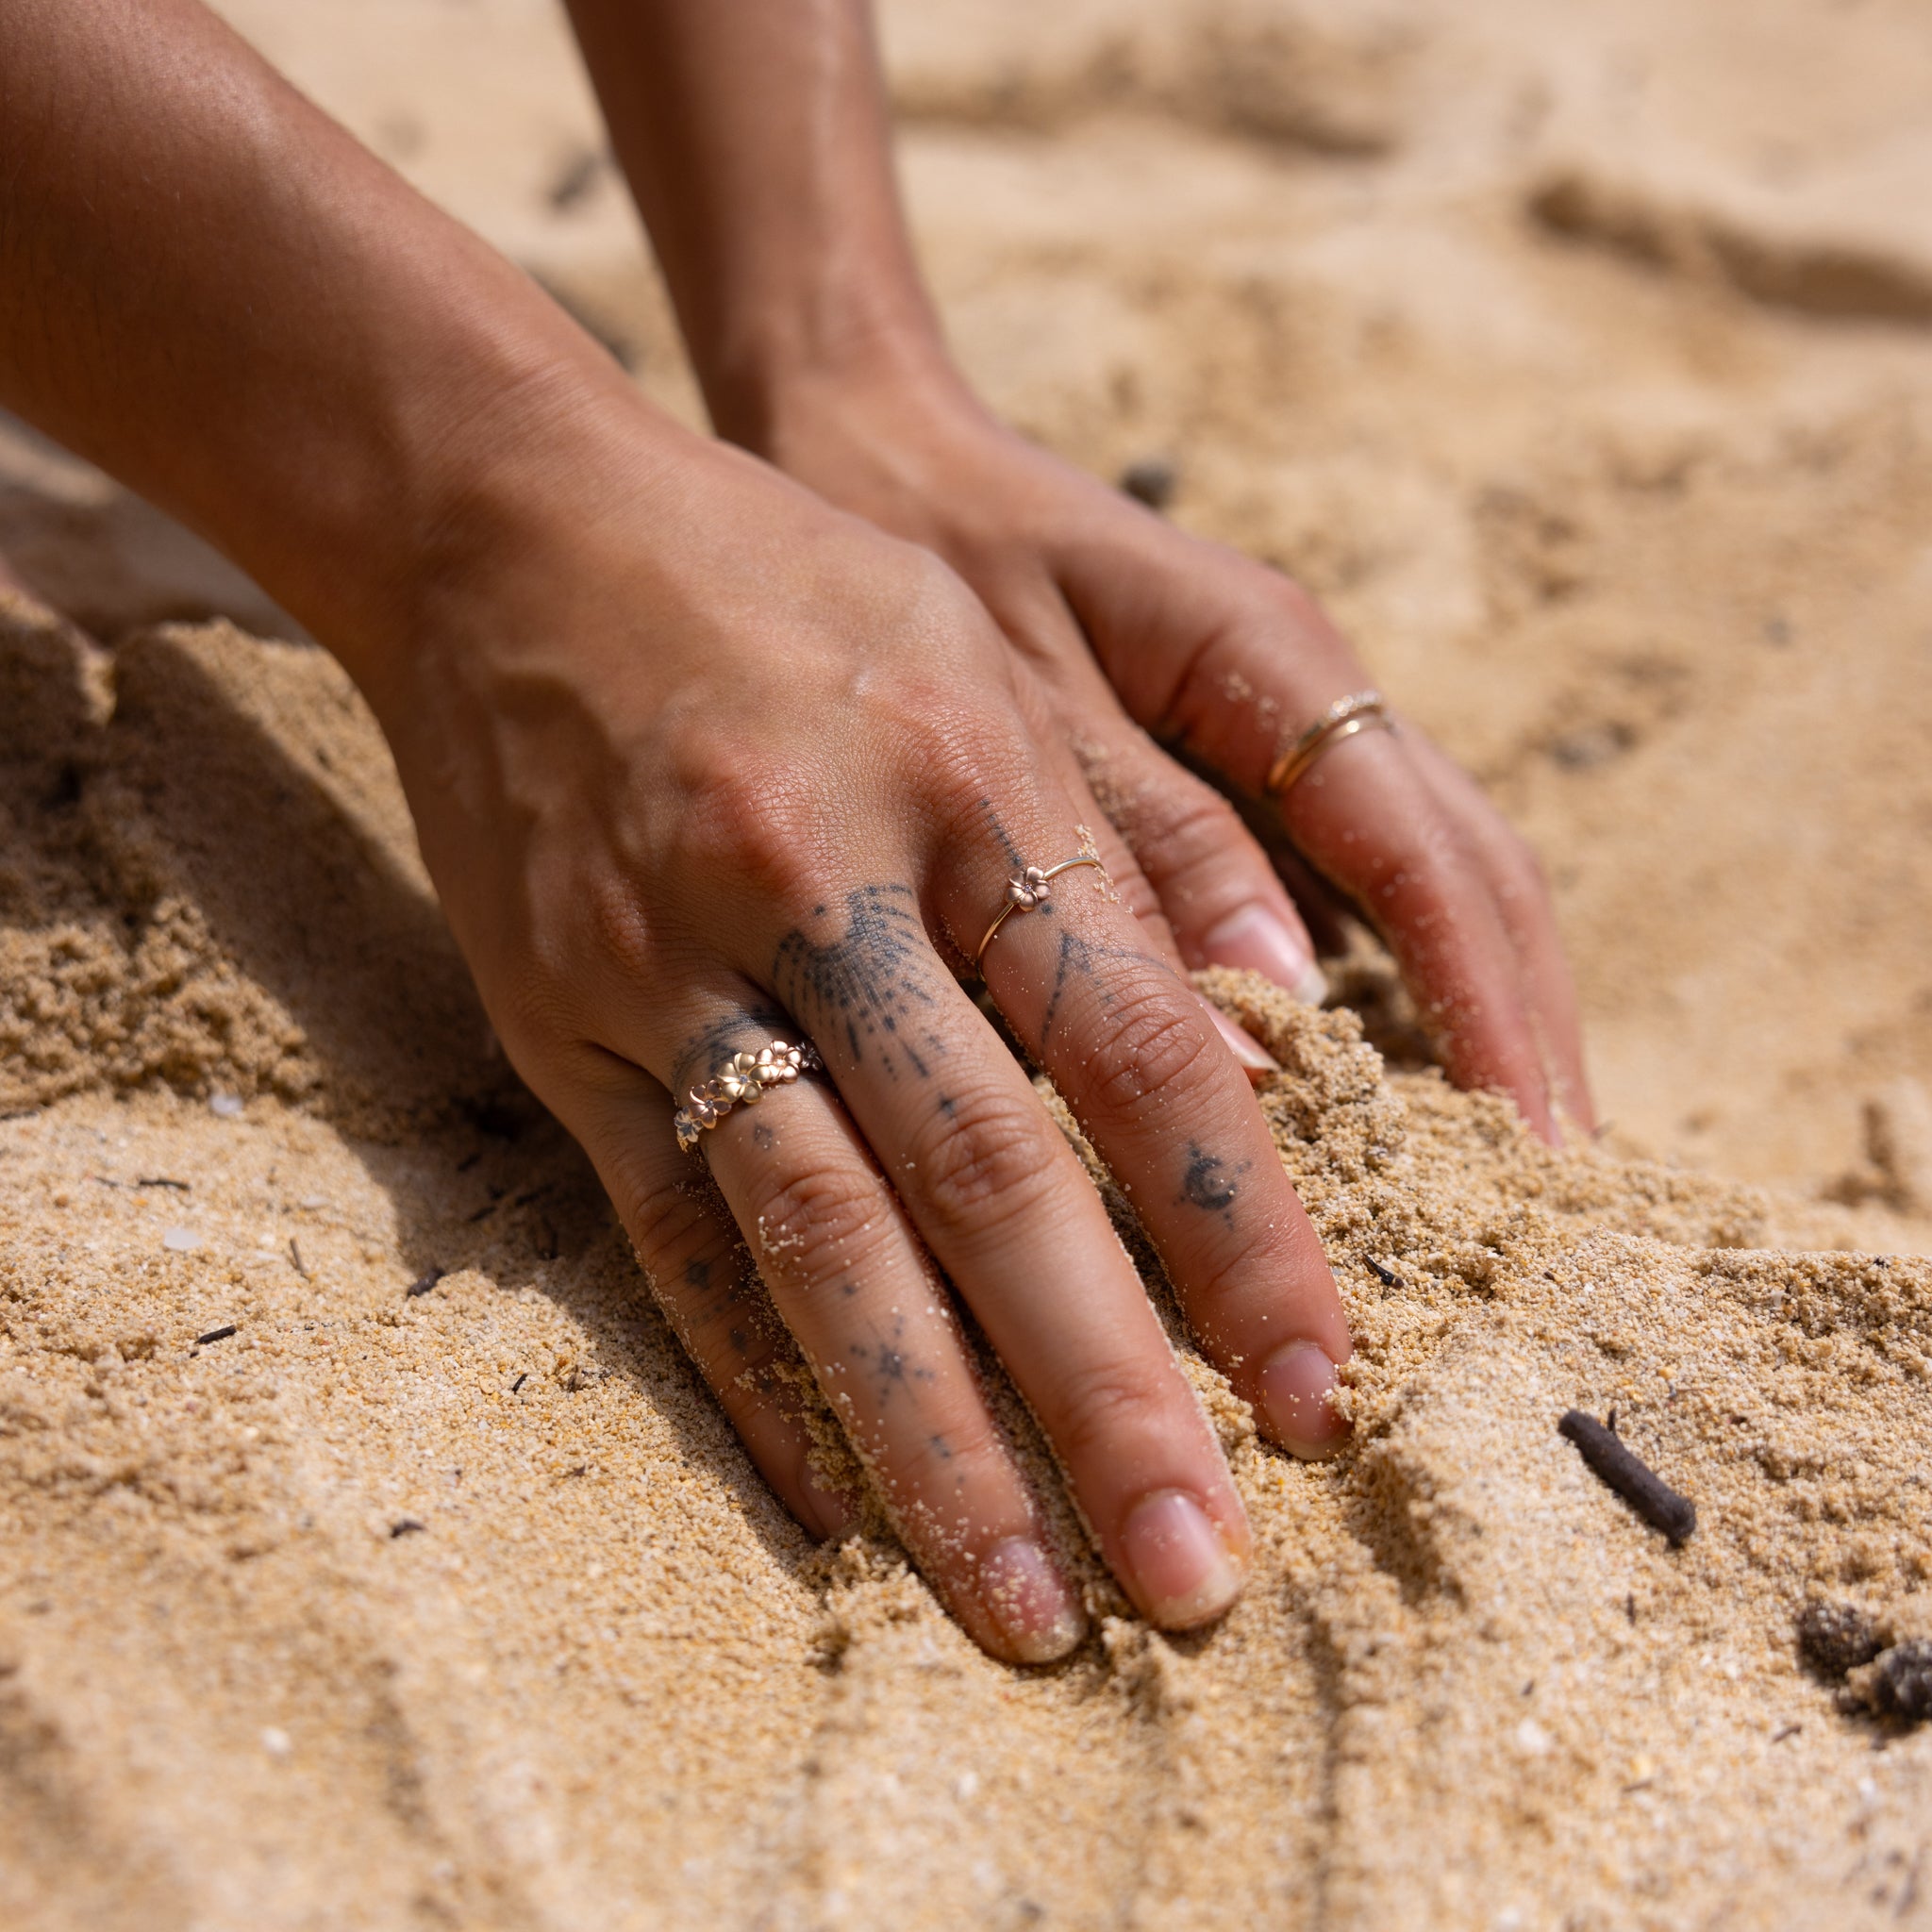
{"x": 1364, "y": 710}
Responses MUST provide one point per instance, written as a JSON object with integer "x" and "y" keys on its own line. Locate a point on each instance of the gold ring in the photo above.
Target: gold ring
{"x": 1365, "y": 710}
{"x": 1025, "y": 890}
{"x": 742, "y": 1083}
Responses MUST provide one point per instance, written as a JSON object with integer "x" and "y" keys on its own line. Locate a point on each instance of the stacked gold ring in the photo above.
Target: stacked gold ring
{"x": 1363, "y": 710}
{"x": 1028, "y": 888}
{"x": 742, "y": 1083}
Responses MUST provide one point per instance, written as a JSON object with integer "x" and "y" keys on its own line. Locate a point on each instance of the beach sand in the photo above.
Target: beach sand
{"x": 369, "y": 1557}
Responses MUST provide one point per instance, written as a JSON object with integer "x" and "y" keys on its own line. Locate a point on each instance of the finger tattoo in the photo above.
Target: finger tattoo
{"x": 870, "y": 983}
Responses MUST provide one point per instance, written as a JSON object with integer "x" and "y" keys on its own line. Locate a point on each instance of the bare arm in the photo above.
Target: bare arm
{"x": 754, "y": 135}
{"x": 210, "y": 290}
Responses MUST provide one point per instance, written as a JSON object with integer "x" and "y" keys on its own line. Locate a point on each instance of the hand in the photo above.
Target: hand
{"x": 755, "y": 138}
{"x": 696, "y": 762}
{"x": 1133, "y": 627}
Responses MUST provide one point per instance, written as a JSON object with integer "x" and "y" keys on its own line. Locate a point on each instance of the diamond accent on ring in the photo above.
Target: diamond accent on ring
{"x": 1028, "y": 888}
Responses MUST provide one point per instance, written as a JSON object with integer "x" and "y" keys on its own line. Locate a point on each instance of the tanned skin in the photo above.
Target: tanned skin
{"x": 705, "y": 747}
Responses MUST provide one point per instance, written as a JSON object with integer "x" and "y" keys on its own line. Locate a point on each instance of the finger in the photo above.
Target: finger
{"x": 1364, "y": 815}
{"x": 704, "y": 1279}
{"x": 1233, "y": 688}
{"x": 1221, "y": 895}
{"x": 1523, "y": 902}
{"x": 845, "y": 1271}
{"x": 1114, "y": 765}
{"x": 1134, "y": 889}
{"x": 1009, "y": 1213}
{"x": 1125, "y": 1043}
{"x": 879, "y": 1327}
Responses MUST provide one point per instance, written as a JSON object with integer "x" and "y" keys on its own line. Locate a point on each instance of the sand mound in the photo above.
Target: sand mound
{"x": 370, "y": 1555}
{"x": 225, "y": 787}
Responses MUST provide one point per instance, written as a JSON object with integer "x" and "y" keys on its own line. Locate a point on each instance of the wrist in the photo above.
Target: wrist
{"x": 761, "y": 384}
{"x": 525, "y": 462}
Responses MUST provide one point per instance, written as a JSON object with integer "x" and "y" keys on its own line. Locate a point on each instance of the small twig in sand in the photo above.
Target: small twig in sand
{"x": 295, "y": 1259}
{"x": 220, "y": 1333}
{"x": 1639, "y": 1486}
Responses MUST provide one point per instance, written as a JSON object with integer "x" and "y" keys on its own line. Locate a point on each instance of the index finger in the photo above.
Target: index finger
{"x": 1123, "y": 1036}
{"x": 1366, "y": 818}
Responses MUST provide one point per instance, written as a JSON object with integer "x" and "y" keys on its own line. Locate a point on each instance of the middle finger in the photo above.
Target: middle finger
{"x": 1123, "y": 1037}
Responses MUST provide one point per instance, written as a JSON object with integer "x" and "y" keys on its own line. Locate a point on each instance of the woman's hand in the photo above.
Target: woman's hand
{"x": 1133, "y": 627}
{"x": 698, "y": 762}
{"x": 755, "y": 138}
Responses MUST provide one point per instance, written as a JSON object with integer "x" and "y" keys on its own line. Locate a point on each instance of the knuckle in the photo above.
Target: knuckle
{"x": 1099, "y": 1403}
{"x": 813, "y": 1222}
{"x": 1188, "y": 820}
{"x": 957, "y": 1451}
{"x": 617, "y": 924}
{"x": 532, "y": 1011}
{"x": 661, "y": 1217}
{"x": 1220, "y": 1293}
{"x": 966, "y": 755}
{"x": 752, "y": 826}
{"x": 1156, "y": 1046}
{"x": 987, "y": 1162}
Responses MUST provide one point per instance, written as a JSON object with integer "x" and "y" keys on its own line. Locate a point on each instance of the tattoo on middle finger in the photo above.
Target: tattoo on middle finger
{"x": 872, "y": 983}
{"x": 1210, "y": 1184}
{"x": 1080, "y": 960}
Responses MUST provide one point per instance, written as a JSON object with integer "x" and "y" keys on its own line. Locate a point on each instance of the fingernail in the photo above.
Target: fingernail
{"x": 1181, "y": 1568}
{"x": 1026, "y": 1597}
{"x": 1241, "y": 1043}
{"x": 1297, "y": 1389}
{"x": 1255, "y": 938}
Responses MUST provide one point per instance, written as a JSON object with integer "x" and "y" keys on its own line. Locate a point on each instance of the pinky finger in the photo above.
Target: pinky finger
{"x": 708, "y": 1288}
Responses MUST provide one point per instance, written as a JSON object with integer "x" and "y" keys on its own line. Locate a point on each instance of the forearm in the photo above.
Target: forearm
{"x": 754, "y": 137}
{"x": 211, "y": 291}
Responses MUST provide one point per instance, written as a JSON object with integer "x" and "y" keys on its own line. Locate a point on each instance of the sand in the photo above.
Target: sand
{"x": 1578, "y": 357}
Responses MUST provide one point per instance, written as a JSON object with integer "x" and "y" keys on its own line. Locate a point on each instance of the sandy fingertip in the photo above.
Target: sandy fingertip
{"x": 1030, "y": 1603}
{"x": 1182, "y": 1571}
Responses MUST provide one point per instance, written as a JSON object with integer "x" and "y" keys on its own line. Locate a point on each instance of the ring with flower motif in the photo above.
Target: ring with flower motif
{"x": 742, "y": 1082}
{"x": 1033, "y": 887}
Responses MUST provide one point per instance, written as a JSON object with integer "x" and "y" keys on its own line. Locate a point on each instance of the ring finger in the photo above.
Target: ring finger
{"x": 878, "y": 1327}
